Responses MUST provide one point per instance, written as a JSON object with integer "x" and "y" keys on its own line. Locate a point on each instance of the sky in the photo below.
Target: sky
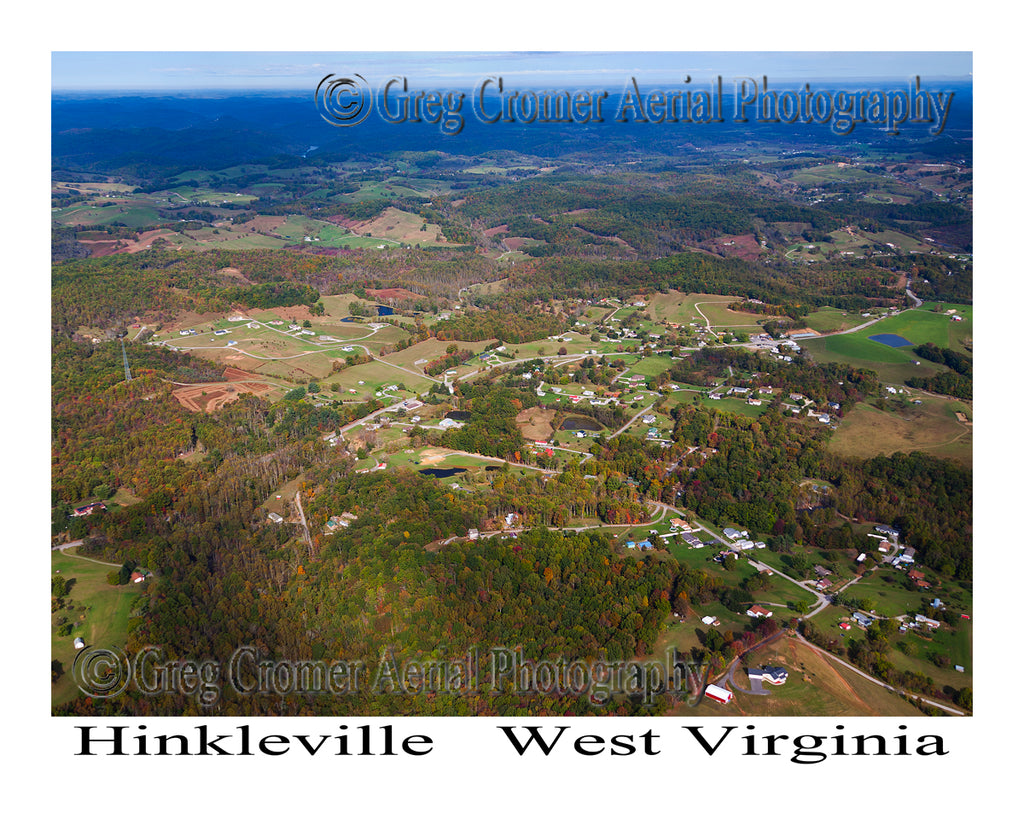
{"x": 284, "y": 71}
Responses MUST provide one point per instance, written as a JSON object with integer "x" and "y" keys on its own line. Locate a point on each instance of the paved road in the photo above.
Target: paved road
{"x": 630, "y": 422}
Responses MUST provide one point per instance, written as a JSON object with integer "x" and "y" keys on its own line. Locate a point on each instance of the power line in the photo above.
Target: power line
{"x": 127, "y": 369}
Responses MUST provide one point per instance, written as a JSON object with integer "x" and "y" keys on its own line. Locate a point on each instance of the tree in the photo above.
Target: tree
{"x": 59, "y": 586}
{"x": 125, "y": 573}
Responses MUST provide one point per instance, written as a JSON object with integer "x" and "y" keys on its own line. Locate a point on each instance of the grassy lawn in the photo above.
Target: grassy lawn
{"x": 101, "y": 613}
{"x": 816, "y": 686}
{"x": 734, "y": 405}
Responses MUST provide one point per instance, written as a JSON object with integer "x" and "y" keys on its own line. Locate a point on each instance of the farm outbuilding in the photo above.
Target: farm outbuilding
{"x": 717, "y": 694}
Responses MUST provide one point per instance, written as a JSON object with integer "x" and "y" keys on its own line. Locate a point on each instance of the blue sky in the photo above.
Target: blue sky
{"x": 197, "y": 70}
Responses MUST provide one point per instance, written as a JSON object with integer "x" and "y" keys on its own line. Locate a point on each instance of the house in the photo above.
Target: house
{"x": 887, "y": 530}
{"x": 137, "y": 577}
{"x": 863, "y": 619}
{"x": 710, "y": 620}
{"x": 732, "y": 534}
{"x": 920, "y": 618}
{"x": 769, "y": 674}
{"x": 693, "y": 541}
{"x": 644, "y": 545}
{"x": 275, "y": 518}
{"x": 844, "y": 626}
{"x": 630, "y": 544}
{"x": 88, "y": 509}
{"x": 923, "y": 584}
{"x": 722, "y": 695}
{"x": 647, "y": 419}
{"x": 821, "y": 571}
{"x": 474, "y": 534}
{"x": 914, "y": 574}
{"x": 938, "y": 604}
{"x": 678, "y": 523}
{"x": 757, "y": 611}
{"x": 861, "y": 557}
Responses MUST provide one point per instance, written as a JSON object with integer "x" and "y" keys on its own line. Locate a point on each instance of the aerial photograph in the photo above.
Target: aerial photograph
{"x": 512, "y": 384}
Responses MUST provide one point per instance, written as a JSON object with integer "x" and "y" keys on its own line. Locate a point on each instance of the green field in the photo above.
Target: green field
{"x": 101, "y": 614}
{"x": 733, "y": 405}
{"x": 830, "y": 320}
{"x": 895, "y": 364}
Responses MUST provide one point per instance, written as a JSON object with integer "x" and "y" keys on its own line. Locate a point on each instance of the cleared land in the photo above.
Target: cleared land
{"x": 100, "y": 615}
{"x": 894, "y": 364}
{"x": 932, "y": 427}
{"x": 679, "y": 308}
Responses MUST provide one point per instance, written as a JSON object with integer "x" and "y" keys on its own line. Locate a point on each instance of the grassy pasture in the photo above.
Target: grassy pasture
{"x": 931, "y": 427}
{"x": 101, "y": 615}
{"x": 817, "y": 686}
{"x": 681, "y": 308}
{"x": 830, "y": 319}
{"x": 917, "y": 326}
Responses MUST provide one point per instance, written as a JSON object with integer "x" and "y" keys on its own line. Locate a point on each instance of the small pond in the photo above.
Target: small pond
{"x": 891, "y": 340}
{"x": 581, "y": 422}
{"x": 436, "y": 472}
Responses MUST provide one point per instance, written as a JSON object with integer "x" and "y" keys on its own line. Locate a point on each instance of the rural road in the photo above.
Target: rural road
{"x": 832, "y": 657}
{"x": 74, "y": 543}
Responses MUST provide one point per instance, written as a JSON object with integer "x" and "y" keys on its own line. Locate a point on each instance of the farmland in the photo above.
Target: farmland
{"x": 932, "y": 426}
{"x": 895, "y": 364}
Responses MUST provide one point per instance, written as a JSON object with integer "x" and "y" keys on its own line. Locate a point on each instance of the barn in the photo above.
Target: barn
{"x": 718, "y": 694}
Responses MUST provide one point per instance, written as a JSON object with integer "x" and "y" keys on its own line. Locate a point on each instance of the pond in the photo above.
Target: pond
{"x": 436, "y": 472}
{"x": 581, "y": 422}
{"x": 891, "y": 340}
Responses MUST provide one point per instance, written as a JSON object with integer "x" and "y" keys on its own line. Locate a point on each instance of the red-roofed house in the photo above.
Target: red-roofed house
{"x": 757, "y": 611}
